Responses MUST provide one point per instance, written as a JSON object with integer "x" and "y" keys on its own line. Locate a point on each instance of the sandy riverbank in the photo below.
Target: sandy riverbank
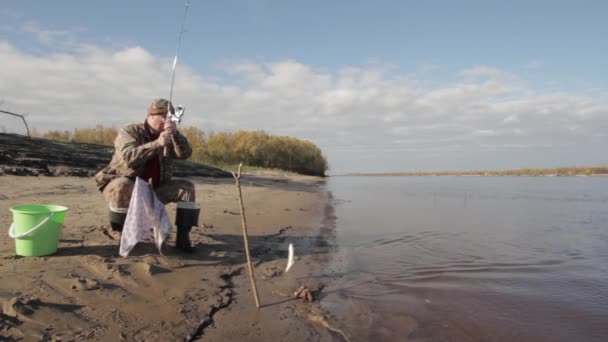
{"x": 86, "y": 292}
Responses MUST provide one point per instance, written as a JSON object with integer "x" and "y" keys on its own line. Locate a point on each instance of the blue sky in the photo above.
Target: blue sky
{"x": 379, "y": 86}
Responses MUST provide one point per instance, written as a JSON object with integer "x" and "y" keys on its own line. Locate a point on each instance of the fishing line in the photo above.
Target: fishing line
{"x": 178, "y": 112}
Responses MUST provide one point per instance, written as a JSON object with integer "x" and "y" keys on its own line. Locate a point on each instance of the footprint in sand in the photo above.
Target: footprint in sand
{"x": 112, "y": 234}
{"x": 84, "y": 283}
{"x": 17, "y": 306}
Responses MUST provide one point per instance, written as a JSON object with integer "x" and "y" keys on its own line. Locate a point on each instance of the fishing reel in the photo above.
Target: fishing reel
{"x": 177, "y": 114}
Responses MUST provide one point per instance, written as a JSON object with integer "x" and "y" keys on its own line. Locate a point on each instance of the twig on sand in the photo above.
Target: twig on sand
{"x": 318, "y": 319}
{"x": 312, "y": 313}
{"x": 237, "y": 178}
{"x": 305, "y": 293}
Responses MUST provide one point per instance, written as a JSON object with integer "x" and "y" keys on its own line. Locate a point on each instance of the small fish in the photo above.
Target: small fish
{"x": 289, "y": 258}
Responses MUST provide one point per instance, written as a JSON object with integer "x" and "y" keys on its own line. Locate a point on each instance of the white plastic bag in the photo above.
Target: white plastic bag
{"x": 146, "y": 218}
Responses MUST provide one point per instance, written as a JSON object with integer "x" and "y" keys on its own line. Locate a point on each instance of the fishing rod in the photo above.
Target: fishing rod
{"x": 176, "y": 115}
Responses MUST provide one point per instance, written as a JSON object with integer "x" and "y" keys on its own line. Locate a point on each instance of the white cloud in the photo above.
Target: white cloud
{"x": 511, "y": 119}
{"x": 484, "y": 132}
{"x": 535, "y": 64}
{"x": 65, "y": 39}
{"x": 427, "y": 67}
{"x": 481, "y": 71}
{"x": 378, "y": 109}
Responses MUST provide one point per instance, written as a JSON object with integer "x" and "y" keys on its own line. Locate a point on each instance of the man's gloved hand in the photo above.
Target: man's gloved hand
{"x": 165, "y": 138}
{"x": 170, "y": 127}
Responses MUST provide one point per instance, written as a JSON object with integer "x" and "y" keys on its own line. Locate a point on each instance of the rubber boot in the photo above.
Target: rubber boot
{"x": 184, "y": 220}
{"x": 183, "y": 239}
{"x": 117, "y": 221}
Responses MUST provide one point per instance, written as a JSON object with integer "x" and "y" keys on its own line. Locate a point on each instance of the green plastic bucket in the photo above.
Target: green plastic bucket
{"x": 36, "y": 228}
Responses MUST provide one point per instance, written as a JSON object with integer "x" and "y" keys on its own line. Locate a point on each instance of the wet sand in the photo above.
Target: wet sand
{"x": 86, "y": 292}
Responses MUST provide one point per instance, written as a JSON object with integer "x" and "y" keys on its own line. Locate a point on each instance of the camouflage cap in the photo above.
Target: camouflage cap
{"x": 159, "y": 106}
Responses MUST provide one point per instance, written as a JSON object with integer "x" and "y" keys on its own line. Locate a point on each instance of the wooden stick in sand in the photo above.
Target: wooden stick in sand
{"x": 237, "y": 177}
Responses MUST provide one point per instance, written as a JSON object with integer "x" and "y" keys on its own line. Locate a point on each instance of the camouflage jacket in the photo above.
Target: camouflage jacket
{"x": 133, "y": 147}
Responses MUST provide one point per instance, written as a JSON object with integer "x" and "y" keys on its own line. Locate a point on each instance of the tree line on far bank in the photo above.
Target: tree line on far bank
{"x": 253, "y": 148}
{"x": 558, "y": 171}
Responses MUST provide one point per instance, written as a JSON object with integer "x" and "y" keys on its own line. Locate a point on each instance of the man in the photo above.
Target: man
{"x": 139, "y": 153}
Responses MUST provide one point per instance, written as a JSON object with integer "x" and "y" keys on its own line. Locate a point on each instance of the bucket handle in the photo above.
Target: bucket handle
{"x": 11, "y": 230}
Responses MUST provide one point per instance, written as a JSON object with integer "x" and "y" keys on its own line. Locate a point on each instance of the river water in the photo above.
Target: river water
{"x": 470, "y": 258}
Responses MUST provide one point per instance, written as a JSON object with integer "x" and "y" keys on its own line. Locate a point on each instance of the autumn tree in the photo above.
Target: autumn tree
{"x": 253, "y": 148}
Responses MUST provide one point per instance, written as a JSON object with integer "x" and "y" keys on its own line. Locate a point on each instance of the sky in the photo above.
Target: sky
{"x": 378, "y": 86}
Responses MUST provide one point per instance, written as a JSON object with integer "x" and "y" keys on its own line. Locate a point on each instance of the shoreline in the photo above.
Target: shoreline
{"x": 86, "y": 292}
{"x": 465, "y": 175}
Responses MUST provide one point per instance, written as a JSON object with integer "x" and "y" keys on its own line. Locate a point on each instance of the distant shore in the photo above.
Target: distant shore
{"x": 549, "y": 172}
